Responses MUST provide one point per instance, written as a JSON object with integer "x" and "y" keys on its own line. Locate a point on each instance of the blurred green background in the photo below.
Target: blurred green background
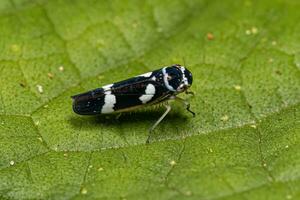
{"x": 243, "y": 143}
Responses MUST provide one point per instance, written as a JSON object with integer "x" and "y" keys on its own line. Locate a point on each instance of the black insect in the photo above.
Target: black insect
{"x": 150, "y": 88}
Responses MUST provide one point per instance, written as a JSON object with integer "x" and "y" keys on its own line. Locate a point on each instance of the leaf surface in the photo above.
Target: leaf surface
{"x": 243, "y": 143}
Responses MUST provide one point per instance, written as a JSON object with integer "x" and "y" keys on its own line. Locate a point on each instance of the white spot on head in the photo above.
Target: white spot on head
{"x": 109, "y": 103}
{"x": 149, "y": 93}
{"x": 148, "y": 74}
{"x": 166, "y": 80}
{"x": 184, "y": 80}
{"x": 183, "y": 76}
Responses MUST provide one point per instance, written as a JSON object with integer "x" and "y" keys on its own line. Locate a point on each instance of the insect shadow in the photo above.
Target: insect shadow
{"x": 137, "y": 121}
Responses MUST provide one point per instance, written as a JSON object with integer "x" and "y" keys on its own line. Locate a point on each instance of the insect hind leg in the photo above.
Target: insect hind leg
{"x": 168, "y": 108}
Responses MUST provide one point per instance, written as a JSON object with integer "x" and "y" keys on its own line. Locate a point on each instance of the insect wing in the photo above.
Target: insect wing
{"x": 89, "y": 103}
{"x": 122, "y": 95}
{"x": 139, "y": 93}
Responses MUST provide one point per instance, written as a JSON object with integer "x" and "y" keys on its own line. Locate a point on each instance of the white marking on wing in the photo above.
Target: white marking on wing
{"x": 148, "y": 74}
{"x": 107, "y": 87}
{"x": 149, "y": 93}
{"x": 109, "y": 100}
{"x": 109, "y": 103}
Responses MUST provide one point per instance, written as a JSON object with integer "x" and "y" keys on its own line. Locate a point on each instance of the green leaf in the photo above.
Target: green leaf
{"x": 243, "y": 143}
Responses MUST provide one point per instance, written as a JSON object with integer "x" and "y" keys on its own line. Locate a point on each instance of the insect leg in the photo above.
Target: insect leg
{"x": 186, "y": 103}
{"x": 190, "y": 92}
{"x": 118, "y": 116}
{"x": 168, "y": 108}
